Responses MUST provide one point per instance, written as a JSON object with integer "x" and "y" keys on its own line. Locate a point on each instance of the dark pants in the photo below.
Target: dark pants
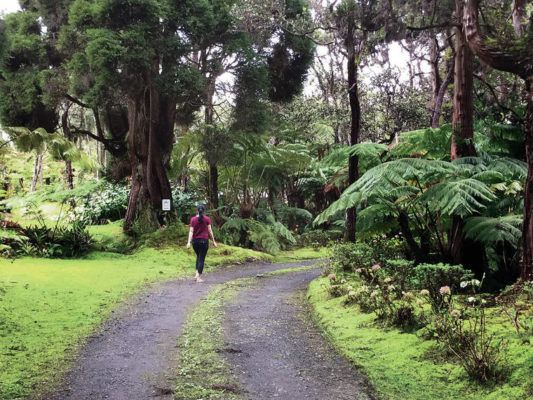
{"x": 200, "y": 247}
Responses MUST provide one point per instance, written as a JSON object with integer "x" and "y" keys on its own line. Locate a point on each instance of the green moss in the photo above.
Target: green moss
{"x": 305, "y": 253}
{"x": 290, "y": 270}
{"x": 203, "y": 372}
{"x": 49, "y": 306}
{"x": 397, "y": 363}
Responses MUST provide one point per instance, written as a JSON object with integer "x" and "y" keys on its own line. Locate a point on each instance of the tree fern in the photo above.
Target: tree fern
{"x": 463, "y": 197}
{"x": 490, "y": 231}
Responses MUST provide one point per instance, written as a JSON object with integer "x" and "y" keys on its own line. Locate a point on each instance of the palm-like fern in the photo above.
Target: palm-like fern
{"x": 431, "y": 192}
{"x": 39, "y": 140}
{"x": 270, "y": 236}
{"x": 489, "y": 230}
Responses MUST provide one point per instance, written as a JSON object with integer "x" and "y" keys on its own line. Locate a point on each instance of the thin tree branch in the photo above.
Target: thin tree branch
{"x": 518, "y": 118}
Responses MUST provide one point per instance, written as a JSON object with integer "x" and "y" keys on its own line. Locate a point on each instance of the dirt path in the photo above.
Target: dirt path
{"x": 133, "y": 355}
{"x": 276, "y": 350}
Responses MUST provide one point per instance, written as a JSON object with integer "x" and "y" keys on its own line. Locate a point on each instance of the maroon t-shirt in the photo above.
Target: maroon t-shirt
{"x": 200, "y": 229}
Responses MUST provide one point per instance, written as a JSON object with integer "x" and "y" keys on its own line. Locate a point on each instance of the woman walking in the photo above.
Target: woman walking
{"x": 199, "y": 233}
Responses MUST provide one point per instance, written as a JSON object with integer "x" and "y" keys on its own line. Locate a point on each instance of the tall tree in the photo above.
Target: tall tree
{"x": 353, "y": 44}
{"x": 135, "y": 49}
{"x": 514, "y": 55}
{"x": 227, "y": 44}
{"x": 462, "y": 144}
{"x": 354, "y": 23}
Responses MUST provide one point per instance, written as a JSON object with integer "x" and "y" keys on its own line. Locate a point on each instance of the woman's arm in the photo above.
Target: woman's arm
{"x": 191, "y": 231}
{"x": 211, "y": 235}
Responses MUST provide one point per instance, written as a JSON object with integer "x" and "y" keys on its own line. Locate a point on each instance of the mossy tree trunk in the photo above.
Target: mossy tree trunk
{"x": 151, "y": 122}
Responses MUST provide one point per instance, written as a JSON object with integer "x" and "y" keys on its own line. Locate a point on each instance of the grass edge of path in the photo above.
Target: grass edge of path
{"x": 202, "y": 371}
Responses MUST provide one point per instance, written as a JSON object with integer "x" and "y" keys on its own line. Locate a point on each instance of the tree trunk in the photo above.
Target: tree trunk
{"x": 151, "y": 122}
{"x": 213, "y": 167}
{"x": 462, "y": 128}
{"x": 37, "y": 171}
{"x": 69, "y": 174}
{"x": 463, "y": 105}
{"x": 519, "y": 16}
{"x": 439, "y": 100}
{"x": 436, "y": 80}
{"x": 414, "y": 247}
{"x": 213, "y": 186}
{"x": 527, "y": 232}
{"x": 516, "y": 59}
{"x": 355, "y": 120}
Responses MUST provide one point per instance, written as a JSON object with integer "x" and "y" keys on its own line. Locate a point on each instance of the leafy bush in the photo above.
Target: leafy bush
{"x": 184, "y": 204}
{"x": 347, "y": 257}
{"x": 293, "y": 217}
{"x": 60, "y": 242}
{"x": 387, "y": 248}
{"x": 108, "y": 204}
{"x": 269, "y": 236}
{"x": 435, "y": 277}
{"x": 11, "y": 239}
{"x": 318, "y": 238}
{"x": 401, "y": 271}
{"x": 516, "y": 303}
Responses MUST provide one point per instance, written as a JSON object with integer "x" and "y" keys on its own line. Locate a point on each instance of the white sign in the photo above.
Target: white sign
{"x": 166, "y": 205}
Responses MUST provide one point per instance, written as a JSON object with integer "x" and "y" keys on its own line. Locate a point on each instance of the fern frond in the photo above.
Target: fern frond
{"x": 490, "y": 231}
{"x": 463, "y": 197}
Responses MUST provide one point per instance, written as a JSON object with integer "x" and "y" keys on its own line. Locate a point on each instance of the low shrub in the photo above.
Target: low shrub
{"x": 104, "y": 205}
{"x": 184, "y": 204}
{"x": 387, "y": 248}
{"x": 435, "y": 277}
{"x": 11, "y": 239}
{"x": 168, "y": 236}
{"x": 462, "y": 329}
{"x": 516, "y": 303}
{"x": 347, "y": 257}
{"x": 270, "y": 236}
{"x": 318, "y": 238}
{"x": 59, "y": 242}
{"x": 401, "y": 271}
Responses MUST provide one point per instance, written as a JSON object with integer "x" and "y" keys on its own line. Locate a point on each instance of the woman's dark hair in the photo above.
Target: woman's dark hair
{"x": 201, "y": 211}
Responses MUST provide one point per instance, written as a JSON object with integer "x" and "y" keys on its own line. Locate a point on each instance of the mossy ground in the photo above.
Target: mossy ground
{"x": 203, "y": 372}
{"x": 305, "y": 253}
{"x": 397, "y": 363}
{"x": 48, "y": 306}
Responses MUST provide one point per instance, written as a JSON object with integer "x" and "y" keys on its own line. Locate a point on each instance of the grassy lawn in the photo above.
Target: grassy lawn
{"x": 48, "y": 306}
{"x": 396, "y": 362}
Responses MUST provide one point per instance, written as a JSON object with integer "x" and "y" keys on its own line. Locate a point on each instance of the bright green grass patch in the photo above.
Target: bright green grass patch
{"x": 291, "y": 270}
{"x": 48, "y": 306}
{"x": 305, "y": 253}
{"x": 203, "y": 372}
{"x": 396, "y": 363}
{"x": 110, "y": 237}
